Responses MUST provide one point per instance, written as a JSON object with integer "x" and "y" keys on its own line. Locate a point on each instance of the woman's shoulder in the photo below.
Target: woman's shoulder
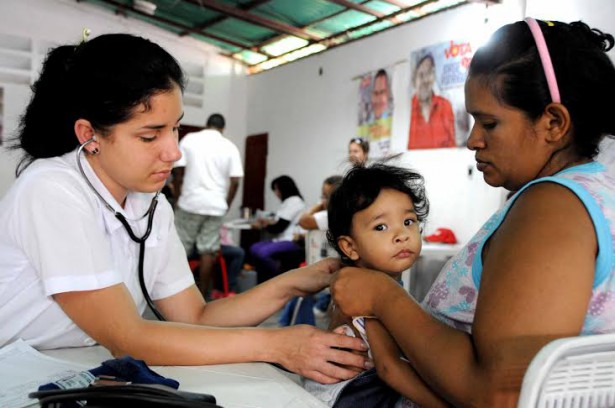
{"x": 45, "y": 176}
{"x": 295, "y": 199}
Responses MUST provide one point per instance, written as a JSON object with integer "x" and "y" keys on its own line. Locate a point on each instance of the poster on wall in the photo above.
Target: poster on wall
{"x": 437, "y": 114}
{"x": 1, "y": 116}
{"x": 376, "y": 111}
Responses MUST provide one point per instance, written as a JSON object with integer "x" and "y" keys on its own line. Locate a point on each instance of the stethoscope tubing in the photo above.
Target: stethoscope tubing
{"x": 139, "y": 240}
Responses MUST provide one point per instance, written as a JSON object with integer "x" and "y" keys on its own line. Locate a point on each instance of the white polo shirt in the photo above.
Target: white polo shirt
{"x": 210, "y": 160}
{"x": 322, "y": 220}
{"x": 57, "y": 237}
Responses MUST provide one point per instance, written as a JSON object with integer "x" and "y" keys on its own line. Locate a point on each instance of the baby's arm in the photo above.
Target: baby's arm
{"x": 397, "y": 373}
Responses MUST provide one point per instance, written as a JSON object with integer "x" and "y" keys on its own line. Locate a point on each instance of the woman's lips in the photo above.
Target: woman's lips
{"x": 481, "y": 165}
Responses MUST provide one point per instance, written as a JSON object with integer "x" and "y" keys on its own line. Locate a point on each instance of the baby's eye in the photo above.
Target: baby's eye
{"x": 380, "y": 227}
{"x": 409, "y": 222}
{"x": 489, "y": 125}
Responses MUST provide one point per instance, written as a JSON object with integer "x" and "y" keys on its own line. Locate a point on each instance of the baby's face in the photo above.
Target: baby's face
{"x": 386, "y": 235}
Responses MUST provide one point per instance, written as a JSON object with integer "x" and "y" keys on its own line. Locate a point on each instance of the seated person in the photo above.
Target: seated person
{"x": 266, "y": 254}
{"x": 316, "y": 217}
{"x": 374, "y": 223}
{"x": 234, "y": 256}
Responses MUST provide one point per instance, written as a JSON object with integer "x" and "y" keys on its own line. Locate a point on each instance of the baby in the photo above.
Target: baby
{"x": 374, "y": 222}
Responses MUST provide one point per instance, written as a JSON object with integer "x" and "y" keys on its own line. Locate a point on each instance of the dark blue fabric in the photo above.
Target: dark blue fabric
{"x": 367, "y": 390}
{"x": 234, "y": 257}
{"x": 127, "y": 368}
{"x": 305, "y": 315}
{"x": 322, "y": 303}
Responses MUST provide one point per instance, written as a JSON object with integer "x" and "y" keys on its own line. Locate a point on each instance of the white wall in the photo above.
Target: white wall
{"x": 310, "y": 117}
{"x": 62, "y": 21}
{"x": 15, "y": 99}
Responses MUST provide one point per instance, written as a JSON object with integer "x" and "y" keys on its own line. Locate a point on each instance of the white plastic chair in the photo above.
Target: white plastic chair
{"x": 574, "y": 372}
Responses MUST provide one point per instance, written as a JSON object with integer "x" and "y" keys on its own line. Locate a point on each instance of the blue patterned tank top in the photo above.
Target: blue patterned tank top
{"x": 452, "y": 297}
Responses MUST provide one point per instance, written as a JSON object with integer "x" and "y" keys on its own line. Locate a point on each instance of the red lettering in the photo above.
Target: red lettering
{"x": 455, "y": 50}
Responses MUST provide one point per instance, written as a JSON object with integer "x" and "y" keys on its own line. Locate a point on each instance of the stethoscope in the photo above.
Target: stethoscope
{"x": 139, "y": 240}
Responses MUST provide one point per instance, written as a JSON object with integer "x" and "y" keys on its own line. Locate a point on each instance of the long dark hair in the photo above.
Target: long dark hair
{"x": 510, "y": 65}
{"x": 287, "y": 187}
{"x": 102, "y": 81}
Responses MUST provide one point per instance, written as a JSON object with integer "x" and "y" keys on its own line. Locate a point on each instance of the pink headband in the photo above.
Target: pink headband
{"x": 545, "y": 58}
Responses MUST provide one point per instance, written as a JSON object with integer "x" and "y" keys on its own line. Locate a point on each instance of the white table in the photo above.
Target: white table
{"x": 248, "y": 385}
{"x": 239, "y": 224}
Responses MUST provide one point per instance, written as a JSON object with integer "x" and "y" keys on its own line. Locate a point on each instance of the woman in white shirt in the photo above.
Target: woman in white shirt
{"x": 100, "y": 138}
{"x": 266, "y": 255}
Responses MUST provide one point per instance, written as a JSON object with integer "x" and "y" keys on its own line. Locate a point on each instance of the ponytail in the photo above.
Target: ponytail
{"x": 45, "y": 129}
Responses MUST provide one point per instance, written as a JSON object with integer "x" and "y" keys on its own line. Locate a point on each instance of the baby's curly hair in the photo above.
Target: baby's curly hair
{"x": 360, "y": 188}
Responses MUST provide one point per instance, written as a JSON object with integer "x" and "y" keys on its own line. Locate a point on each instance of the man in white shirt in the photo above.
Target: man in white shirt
{"x": 206, "y": 180}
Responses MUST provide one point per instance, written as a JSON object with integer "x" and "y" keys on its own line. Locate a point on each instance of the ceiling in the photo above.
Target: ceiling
{"x": 267, "y": 33}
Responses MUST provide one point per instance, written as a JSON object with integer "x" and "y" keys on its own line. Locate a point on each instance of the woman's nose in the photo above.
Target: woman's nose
{"x": 170, "y": 151}
{"x": 475, "y": 140}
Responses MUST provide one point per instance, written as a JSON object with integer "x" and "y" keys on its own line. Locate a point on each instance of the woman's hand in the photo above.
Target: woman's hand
{"x": 259, "y": 223}
{"x": 312, "y": 278}
{"x": 357, "y": 291}
{"x": 322, "y": 356}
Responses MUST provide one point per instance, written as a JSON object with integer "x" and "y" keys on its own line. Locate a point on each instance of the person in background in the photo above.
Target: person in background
{"x": 432, "y": 121}
{"x": 374, "y": 222}
{"x": 234, "y": 257}
{"x": 358, "y": 150}
{"x": 265, "y": 254}
{"x": 539, "y": 269}
{"x": 99, "y": 138}
{"x": 206, "y": 179}
{"x": 316, "y": 216}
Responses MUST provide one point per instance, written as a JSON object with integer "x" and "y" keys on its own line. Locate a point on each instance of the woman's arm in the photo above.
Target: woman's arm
{"x": 110, "y": 317}
{"x": 536, "y": 285}
{"x": 307, "y": 220}
{"x": 277, "y": 227}
{"x": 251, "y": 307}
{"x": 398, "y": 374}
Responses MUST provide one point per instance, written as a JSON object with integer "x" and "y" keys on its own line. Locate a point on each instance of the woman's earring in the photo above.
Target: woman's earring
{"x": 94, "y": 151}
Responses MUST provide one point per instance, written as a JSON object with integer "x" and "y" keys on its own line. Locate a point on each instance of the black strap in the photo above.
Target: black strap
{"x": 132, "y": 395}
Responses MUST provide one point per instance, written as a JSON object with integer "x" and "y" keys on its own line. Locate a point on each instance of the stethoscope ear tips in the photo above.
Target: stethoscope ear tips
{"x": 95, "y": 150}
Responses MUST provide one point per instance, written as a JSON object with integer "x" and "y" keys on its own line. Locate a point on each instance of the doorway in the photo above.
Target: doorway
{"x": 255, "y": 173}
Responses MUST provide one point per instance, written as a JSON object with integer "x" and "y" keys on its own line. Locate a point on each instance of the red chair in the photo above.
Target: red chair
{"x": 194, "y": 263}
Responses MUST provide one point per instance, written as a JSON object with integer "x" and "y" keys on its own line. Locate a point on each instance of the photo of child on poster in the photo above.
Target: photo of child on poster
{"x": 376, "y": 111}
{"x": 437, "y": 117}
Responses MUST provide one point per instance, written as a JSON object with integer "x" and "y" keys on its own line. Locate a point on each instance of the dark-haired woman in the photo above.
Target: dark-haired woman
{"x": 542, "y": 267}
{"x": 267, "y": 255}
{"x": 99, "y": 138}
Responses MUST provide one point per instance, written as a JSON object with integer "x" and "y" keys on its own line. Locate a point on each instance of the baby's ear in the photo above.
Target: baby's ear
{"x": 347, "y": 246}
